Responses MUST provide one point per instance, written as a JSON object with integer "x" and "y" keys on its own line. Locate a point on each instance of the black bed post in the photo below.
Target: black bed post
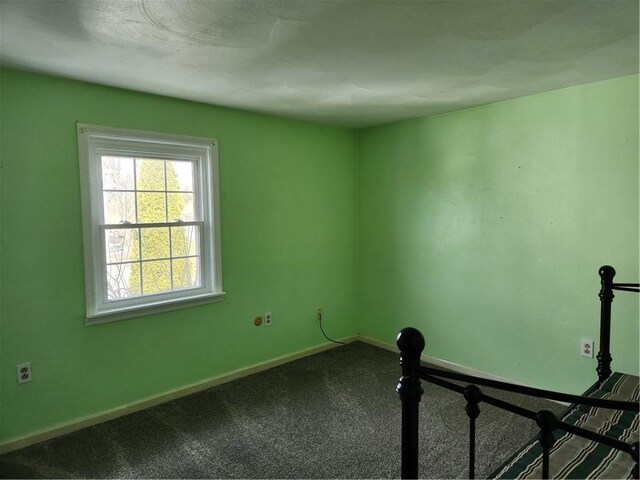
{"x": 411, "y": 343}
{"x": 472, "y": 394}
{"x": 606, "y": 297}
{"x": 635, "y": 451}
{"x": 547, "y": 422}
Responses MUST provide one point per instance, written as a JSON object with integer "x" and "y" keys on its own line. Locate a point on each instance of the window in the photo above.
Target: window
{"x": 151, "y": 222}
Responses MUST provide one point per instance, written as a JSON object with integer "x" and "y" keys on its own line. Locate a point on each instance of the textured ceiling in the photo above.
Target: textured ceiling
{"x": 347, "y": 62}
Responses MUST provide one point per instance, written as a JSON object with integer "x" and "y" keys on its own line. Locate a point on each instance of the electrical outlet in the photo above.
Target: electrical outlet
{"x": 267, "y": 319}
{"x": 586, "y": 348}
{"x": 23, "y": 372}
{"x": 319, "y": 314}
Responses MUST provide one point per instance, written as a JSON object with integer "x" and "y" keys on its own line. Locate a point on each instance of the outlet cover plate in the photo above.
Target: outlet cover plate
{"x": 23, "y": 372}
{"x": 586, "y": 348}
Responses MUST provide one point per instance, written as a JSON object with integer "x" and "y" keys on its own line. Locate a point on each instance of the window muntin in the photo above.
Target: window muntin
{"x": 151, "y": 221}
{"x": 143, "y": 259}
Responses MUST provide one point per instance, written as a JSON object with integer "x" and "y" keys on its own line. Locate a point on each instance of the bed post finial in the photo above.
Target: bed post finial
{"x": 608, "y": 272}
{"x": 411, "y": 343}
{"x": 606, "y": 297}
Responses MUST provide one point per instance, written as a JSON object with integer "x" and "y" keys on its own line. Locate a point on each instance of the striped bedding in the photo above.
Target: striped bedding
{"x": 576, "y": 457}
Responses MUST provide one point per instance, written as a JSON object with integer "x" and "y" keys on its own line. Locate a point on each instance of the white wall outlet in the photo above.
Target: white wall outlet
{"x": 23, "y": 372}
{"x": 267, "y": 319}
{"x": 319, "y": 314}
{"x": 586, "y": 348}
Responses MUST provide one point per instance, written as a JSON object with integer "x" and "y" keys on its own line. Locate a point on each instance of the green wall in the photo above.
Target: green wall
{"x": 485, "y": 228}
{"x": 288, "y": 198}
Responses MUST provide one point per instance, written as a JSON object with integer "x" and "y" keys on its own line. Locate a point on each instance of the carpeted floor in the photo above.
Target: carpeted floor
{"x": 333, "y": 415}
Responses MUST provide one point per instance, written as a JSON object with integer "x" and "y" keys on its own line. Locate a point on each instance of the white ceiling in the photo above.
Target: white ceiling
{"x": 345, "y": 62}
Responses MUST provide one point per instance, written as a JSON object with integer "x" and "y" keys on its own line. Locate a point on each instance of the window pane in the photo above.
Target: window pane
{"x": 155, "y": 243}
{"x": 119, "y": 207}
{"x": 121, "y": 245}
{"x": 180, "y": 207}
{"x": 122, "y": 282}
{"x": 185, "y": 273}
{"x": 150, "y": 174}
{"x": 117, "y": 173}
{"x": 184, "y": 241}
{"x": 151, "y": 207}
{"x": 183, "y": 176}
{"x": 156, "y": 277}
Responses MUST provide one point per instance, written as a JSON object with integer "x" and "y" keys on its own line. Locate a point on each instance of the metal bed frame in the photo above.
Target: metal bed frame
{"x": 411, "y": 343}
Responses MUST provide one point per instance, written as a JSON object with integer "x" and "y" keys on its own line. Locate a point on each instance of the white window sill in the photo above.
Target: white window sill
{"x": 158, "y": 307}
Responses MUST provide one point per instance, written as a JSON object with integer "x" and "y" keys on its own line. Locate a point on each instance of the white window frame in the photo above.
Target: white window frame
{"x": 94, "y": 141}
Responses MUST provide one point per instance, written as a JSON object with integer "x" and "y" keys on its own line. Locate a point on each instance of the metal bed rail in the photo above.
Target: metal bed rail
{"x": 411, "y": 344}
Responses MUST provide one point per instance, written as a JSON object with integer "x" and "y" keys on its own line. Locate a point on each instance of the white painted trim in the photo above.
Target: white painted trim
{"x": 454, "y": 367}
{"x": 87, "y": 421}
{"x": 153, "y": 308}
{"x": 203, "y": 154}
{"x": 438, "y": 362}
{"x": 106, "y": 415}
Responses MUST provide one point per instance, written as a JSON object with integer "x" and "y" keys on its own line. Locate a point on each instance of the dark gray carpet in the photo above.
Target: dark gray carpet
{"x": 333, "y": 415}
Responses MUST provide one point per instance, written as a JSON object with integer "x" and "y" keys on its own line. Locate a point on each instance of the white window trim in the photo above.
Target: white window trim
{"x": 204, "y": 153}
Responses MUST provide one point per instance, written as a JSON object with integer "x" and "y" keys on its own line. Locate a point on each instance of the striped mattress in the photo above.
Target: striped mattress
{"x": 576, "y": 457}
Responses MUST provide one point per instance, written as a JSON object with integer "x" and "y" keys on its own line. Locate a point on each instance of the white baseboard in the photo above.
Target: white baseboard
{"x": 455, "y": 367}
{"x": 104, "y": 416}
{"x": 438, "y": 362}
